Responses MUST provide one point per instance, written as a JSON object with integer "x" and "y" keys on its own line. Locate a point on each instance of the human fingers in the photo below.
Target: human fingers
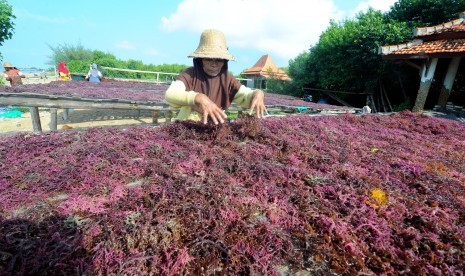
{"x": 259, "y": 106}
{"x": 209, "y": 109}
{"x": 216, "y": 114}
{"x": 213, "y": 116}
{"x": 260, "y": 110}
{"x": 258, "y": 103}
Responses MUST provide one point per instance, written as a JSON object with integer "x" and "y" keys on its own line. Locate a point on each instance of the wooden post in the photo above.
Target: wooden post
{"x": 155, "y": 117}
{"x": 402, "y": 88}
{"x": 448, "y": 81}
{"x": 370, "y": 102}
{"x": 34, "y": 111}
{"x": 384, "y": 93}
{"x": 168, "y": 115}
{"x": 65, "y": 114}
{"x": 427, "y": 74}
{"x": 53, "y": 119}
{"x": 381, "y": 98}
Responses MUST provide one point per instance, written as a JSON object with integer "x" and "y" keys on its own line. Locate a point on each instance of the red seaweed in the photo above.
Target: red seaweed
{"x": 348, "y": 194}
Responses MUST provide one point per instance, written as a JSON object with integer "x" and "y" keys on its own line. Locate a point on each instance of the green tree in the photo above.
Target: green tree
{"x": 79, "y": 59}
{"x": 346, "y": 57}
{"x": 6, "y": 22}
{"x": 68, "y": 53}
{"x": 421, "y": 13}
{"x": 299, "y": 71}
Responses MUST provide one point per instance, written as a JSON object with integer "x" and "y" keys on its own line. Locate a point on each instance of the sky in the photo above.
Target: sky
{"x": 167, "y": 31}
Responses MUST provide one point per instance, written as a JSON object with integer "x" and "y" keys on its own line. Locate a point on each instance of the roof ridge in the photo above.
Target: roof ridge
{"x": 423, "y": 31}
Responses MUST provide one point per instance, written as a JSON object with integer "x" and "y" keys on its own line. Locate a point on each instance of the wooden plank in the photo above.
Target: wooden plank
{"x": 79, "y": 99}
{"x": 70, "y": 103}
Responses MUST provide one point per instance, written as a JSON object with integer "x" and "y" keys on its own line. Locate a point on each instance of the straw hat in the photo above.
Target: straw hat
{"x": 212, "y": 45}
{"x": 8, "y": 65}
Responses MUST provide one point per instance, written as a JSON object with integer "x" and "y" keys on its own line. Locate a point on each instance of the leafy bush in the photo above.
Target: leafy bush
{"x": 6, "y": 22}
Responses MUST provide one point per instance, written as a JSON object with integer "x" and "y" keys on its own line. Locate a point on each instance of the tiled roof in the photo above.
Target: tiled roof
{"x": 265, "y": 67}
{"x": 444, "y": 40}
{"x": 427, "y": 48}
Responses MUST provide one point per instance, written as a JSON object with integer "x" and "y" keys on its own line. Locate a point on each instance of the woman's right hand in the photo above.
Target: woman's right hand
{"x": 208, "y": 108}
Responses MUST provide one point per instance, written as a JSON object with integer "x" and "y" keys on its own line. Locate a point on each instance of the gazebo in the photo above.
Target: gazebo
{"x": 264, "y": 69}
{"x": 444, "y": 41}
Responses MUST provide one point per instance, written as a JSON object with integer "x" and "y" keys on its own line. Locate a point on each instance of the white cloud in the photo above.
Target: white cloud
{"x": 124, "y": 44}
{"x": 383, "y": 5}
{"x": 280, "y": 28}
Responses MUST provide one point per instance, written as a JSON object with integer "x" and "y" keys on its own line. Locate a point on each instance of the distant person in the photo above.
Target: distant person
{"x": 12, "y": 74}
{"x": 63, "y": 71}
{"x": 308, "y": 98}
{"x": 94, "y": 74}
{"x": 203, "y": 92}
{"x": 43, "y": 75}
{"x": 323, "y": 100}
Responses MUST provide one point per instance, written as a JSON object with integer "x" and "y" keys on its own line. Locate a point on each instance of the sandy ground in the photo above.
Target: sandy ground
{"x": 78, "y": 119}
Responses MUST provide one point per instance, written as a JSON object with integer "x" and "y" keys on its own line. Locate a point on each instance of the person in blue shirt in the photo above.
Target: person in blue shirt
{"x": 94, "y": 75}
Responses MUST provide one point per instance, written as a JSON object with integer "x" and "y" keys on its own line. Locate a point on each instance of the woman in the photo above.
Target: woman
{"x": 63, "y": 71}
{"x": 206, "y": 90}
{"x": 94, "y": 75}
{"x": 12, "y": 74}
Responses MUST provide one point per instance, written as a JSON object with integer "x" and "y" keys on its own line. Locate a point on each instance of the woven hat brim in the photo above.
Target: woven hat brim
{"x": 215, "y": 54}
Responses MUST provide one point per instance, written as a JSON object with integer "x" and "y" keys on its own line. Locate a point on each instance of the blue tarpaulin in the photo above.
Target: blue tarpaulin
{"x": 10, "y": 112}
{"x": 301, "y": 108}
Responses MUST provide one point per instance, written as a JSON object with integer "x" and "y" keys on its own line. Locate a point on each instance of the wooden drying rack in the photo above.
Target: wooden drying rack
{"x": 54, "y": 102}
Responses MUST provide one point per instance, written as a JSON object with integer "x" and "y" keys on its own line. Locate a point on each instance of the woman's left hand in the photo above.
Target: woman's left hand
{"x": 258, "y": 103}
